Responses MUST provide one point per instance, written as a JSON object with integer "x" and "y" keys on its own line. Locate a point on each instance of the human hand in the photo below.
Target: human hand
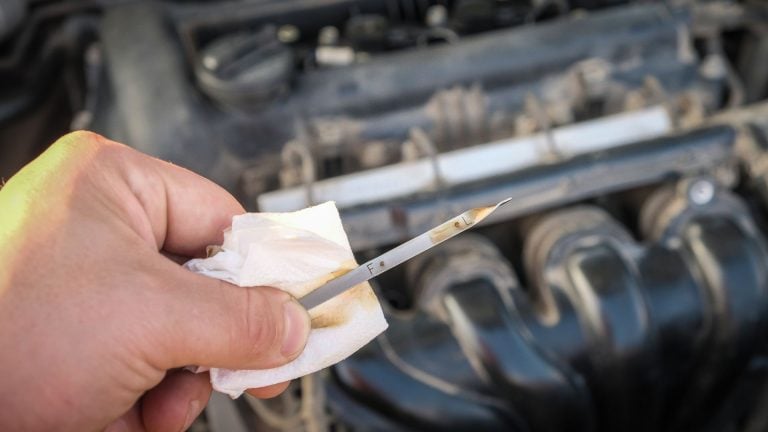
{"x": 96, "y": 319}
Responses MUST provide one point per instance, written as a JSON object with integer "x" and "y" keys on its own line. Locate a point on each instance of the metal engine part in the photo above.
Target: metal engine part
{"x": 489, "y": 86}
{"x": 625, "y": 287}
{"x": 610, "y": 334}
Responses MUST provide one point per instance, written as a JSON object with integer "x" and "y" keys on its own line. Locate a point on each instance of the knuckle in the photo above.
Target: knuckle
{"x": 90, "y": 146}
{"x": 80, "y": 149}
{"x": 93, "y": 159}
{"x": 64, "y": 165}
{"x": 79, "y": 141}
{"x": 82, "y": 136}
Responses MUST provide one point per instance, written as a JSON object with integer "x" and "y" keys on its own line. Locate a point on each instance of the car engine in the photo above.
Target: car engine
{"x": 625, "y": 287}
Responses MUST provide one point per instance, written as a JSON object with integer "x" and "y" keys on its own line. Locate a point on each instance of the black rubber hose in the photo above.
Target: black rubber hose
{"x": 12, "y": 13}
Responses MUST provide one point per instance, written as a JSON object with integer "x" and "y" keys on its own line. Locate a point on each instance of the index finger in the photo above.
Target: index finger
{"x": 186, "y": 211}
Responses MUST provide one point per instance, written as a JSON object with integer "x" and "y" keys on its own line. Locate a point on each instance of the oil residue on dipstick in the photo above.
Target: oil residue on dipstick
{"x": 459, "y": 223}
{"x": 336, "y": 311}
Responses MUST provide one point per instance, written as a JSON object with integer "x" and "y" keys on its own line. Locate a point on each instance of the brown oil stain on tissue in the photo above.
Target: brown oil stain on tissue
{"x": 342, "y": 306}
{"x": 337, "y": 311}
{"x": 212, "y": 250}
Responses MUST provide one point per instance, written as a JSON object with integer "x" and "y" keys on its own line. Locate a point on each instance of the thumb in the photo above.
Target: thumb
{"x": 208, "y": 322}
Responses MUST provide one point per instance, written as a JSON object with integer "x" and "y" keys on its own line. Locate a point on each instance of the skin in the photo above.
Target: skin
{"x": 97, "y": 317}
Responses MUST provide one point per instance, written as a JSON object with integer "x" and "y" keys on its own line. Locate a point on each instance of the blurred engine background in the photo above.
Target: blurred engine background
{"x": 624, "y": 288}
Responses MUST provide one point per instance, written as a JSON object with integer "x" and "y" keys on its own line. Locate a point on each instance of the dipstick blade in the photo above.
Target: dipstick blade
{"x": 399, "y": 255}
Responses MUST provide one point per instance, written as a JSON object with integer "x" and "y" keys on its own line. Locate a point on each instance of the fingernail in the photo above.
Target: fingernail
{"x": 296, "y": 328}
{"x": 192, "y": 412}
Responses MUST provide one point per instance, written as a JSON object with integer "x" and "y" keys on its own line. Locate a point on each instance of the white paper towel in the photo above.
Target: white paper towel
{"x": 296, "y": 252}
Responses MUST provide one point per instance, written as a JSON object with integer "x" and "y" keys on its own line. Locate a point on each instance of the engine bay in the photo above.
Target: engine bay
{"x": 625, "y": 287}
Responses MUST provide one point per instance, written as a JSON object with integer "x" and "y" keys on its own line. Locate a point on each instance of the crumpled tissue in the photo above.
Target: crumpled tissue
{"x": 295, "y": 252}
